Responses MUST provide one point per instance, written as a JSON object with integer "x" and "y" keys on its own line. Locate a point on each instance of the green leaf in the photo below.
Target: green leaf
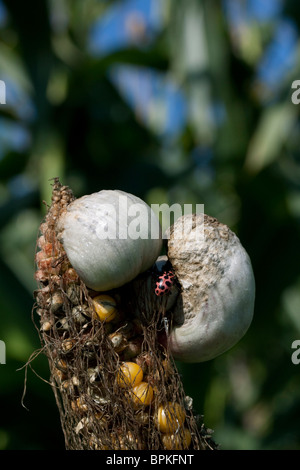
{"x": 272, "y": 132}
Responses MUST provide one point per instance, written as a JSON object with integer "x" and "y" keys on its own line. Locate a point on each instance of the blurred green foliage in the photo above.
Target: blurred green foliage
{"x": 238, "y": 154}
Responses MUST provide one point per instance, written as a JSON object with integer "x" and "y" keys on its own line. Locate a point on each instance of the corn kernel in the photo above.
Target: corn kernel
{"x": 129, "y": 375}
{"x": 142, "y": 394}
{"x": 179, "y": 441}
{"x": 170, "y": 417}
{"x": 105, "y": 307}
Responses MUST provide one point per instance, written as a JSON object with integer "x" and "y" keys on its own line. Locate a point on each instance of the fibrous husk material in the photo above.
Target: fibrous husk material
{"x": 85, "y": 356}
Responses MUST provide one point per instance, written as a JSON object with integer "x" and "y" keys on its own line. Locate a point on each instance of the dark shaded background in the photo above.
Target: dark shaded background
{"x": 186, "y": 101}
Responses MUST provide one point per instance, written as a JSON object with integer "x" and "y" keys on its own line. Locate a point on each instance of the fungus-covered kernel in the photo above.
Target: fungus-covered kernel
{"x": 47, "y": 265}
{"x": 97, "y": 444}
{"x": 145, "y": 360}
{"x": 125, "y": 441}
{"x": 73, "y": 293}
{"x": 129, "y": 375}
{"x": 64, "y": 324}
{"x": 170, "y": 417}
{"x": 67, "y": 345}
{"x": 80, "y": 314}
{"x": 41, "y": 241}
{"x": 40, "y": 255}
{"x": 40, "y": 276}
{"x": 168, "y": 370}
{"x": 118, "y": 341}
{"x": 142, "y": 394}
{"x": 142, "y": 417}
{"x": 59, "y": 374}
{"x": 56, "y": 302}
{"x": 70, "y": 275}
{"x": 105, "y": 307}
{"x": 47, "y": 325}
{"x": 81, "y": 404}
{"x": 50, "y": 250}
{"x": 179, "y": 441}
{"x": 67, "y": 386}
{"x": 83, "y": 423}
{"x": 101, "y": 419}
{"x": 133, "y": 349}
{"x": 62, "y": 365}
{"x": 73, "y": 405}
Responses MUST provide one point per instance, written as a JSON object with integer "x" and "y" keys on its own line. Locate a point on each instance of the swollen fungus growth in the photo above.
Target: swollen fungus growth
{"x": 110, "y": 237}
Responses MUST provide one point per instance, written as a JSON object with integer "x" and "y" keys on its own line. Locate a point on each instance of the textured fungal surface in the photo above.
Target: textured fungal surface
{"x": 98, "y": 234}
{"x": 216, "y": 304}
{"x": 115, "y": 384}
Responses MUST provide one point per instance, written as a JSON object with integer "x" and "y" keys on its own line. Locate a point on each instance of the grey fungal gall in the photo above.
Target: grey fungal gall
{"x": 109, "y": 237}
{"x": 216, "y": 304}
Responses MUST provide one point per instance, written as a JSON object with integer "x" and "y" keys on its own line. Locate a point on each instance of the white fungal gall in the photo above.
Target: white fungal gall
{"x": 109, "y": 237}
{"x": 216, "y": 304}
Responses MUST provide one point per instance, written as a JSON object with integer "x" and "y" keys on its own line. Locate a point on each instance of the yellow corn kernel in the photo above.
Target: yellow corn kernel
{"x": 170, "y": 417}
{"x": 179, "y": 441}
{"x": 105, "y": 307}
{"x": 142, "y": 394}
{"x": 129, "y": 375}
